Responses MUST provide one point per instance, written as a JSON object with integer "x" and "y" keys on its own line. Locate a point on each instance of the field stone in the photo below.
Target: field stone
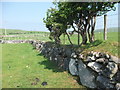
{"x": 73, "y": 55}
{"x": 117, "y": 86}
{"x": 73, "y": 67}
{"x": 102, "y": 55}
{"x": 87, "y": 77}
{"x": 81, "y": 56}
{"x": 104, "y": 82}
{"x": 93, "y": 58}
{"x": 114, "y": 59}
{"x": 66, "y": 64}
{"x": 110, "y": 70}
{"x": 117, "y": 76}
{"x": 95, "y": 66}
{"x": 108, "y": 56}
{"x": 68, "y": 52}
{"x": 88, "y": 59}
{"x": 100, "y": 60}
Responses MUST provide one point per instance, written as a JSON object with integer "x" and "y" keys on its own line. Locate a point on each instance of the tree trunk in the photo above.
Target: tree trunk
{"x": 69, "y": 38}
{"x": 64, "y": 38}
{"x": 93, "y": 22}
{"x": 78, "y": 37}
{"x": 84, "y": 37}
{"x": 88, "y": 31}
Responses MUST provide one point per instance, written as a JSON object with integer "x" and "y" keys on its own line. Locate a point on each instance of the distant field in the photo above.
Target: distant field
{"x": 10, "y": 34}
{"x": 13, "y": 31}
{"x": 44, "y": 36}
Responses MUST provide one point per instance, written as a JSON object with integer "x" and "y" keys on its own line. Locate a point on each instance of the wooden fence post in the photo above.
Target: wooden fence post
{"x": 105, "y": 27}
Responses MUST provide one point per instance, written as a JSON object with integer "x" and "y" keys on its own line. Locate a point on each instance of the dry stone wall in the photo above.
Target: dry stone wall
{"x": 95, "y": 70}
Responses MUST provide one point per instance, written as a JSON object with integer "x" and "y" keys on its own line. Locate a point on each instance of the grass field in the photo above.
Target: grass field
{"x": 112, "y": 36}
{"x": 24, "y": 67}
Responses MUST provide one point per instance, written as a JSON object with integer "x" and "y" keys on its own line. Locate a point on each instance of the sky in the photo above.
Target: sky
{"x": 29, "y": 16}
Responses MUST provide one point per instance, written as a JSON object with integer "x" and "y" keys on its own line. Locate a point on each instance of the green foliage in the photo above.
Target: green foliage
{"x": 76, "y": 15}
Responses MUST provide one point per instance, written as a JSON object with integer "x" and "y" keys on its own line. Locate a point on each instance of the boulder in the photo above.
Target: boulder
{"x": 95, "y": 66}
{"x": 87, "y": 77}
{"x": 104, "y": 82}
{"x": 73, "y": 68}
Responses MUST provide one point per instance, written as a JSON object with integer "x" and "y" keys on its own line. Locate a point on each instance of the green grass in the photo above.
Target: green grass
{"x": 21, "y": 64}
{"x": 110, "y": 47}
{"x": 112, "y": 36}
{"x": 17, "y": 32}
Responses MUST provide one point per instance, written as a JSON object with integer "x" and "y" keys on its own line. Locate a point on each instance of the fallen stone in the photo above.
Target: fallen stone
{"x": 95, "y": 66}
{"x": 87, "y": 77}
{"x": 44, "y": 83}
{"x": 73, "y": 67}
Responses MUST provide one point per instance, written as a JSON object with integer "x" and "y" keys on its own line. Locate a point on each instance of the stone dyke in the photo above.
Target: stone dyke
{"x": 95, "y": 70}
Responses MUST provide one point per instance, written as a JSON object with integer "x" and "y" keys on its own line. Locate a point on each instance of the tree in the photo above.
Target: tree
{"x": 81, "y": 16}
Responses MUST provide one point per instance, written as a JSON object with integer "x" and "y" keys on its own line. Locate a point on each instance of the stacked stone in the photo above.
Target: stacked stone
{"x": 96, "y": 70}
{"x": 59, "y": 55}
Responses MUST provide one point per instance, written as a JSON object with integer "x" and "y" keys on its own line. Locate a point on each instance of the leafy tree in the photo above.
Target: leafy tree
{"x": 81, "y": 16}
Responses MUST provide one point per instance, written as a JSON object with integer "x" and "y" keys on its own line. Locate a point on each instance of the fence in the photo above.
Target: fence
{"x": 111, "y": 25}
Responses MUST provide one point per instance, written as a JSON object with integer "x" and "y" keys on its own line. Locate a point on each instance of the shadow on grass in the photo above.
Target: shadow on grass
{"x": 50, "y": 65}
{"x": 89, "y": 45}
{"x": 53, "y": 66}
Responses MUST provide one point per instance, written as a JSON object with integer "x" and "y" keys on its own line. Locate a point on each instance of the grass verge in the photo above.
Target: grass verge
{"x": 24, "y": 67}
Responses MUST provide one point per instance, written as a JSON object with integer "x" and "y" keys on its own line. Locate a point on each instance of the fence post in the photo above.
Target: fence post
{"x": 105, "y": 27}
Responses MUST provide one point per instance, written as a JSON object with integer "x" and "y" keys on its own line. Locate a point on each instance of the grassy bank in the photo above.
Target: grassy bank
{"x": 24, "y": 67}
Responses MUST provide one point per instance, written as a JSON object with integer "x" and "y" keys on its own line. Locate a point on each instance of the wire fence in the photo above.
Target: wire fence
{"x": 112, "y": 27}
